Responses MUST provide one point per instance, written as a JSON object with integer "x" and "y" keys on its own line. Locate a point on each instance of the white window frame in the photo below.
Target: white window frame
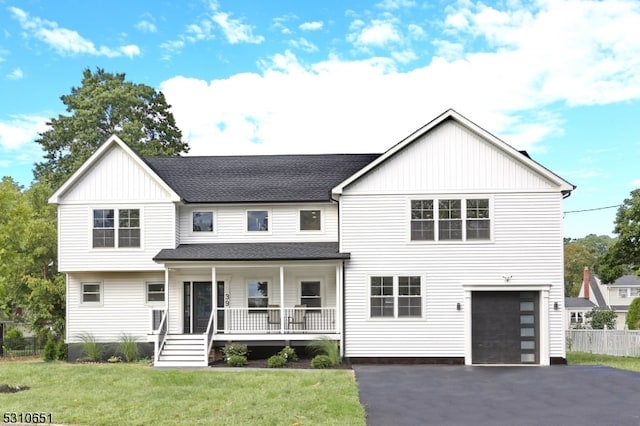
{"x": 436, "y": 221}
{"x": 99, "y": 293}
{"x": 322, "y": 291}
{"x": 396, "y": 295}
{"x": 634, "y": 291}
{"x": 311, "y": 231}
{"x": 269, "y": 229}
{"x": 623, "y": 292}
{"x": 116, "y": 228}
{"x": 269, "y": 293}
{"x": 148, "y": 292}
{"x": 214, "y": 225}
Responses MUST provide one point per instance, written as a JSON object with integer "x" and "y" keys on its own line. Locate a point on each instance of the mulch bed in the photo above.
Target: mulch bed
{"x": 302, "y": 364}
{"x": 12, "y": 389}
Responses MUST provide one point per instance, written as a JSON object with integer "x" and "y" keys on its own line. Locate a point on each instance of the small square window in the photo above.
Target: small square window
{"x": 257, "y": 220}
{"x": 202, "y": 221}
{"x": 91, "y": 293}
{"x": 310, "y": 220}
{"x": 155, "y": 292}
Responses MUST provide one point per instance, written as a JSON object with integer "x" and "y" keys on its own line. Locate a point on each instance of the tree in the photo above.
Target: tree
{"x": 106, "y": 104}
{"x": 633, "y": 315}
{"x": 601, "y": 318}
{"x": 578, "y": 253}
{"x": 624, "y": 255}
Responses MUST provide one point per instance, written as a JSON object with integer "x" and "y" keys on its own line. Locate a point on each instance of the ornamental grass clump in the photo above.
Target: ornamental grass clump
{"x": 90, "y": 346}
{"x": 128, "y": 347}
{"x": 325, "y": 347}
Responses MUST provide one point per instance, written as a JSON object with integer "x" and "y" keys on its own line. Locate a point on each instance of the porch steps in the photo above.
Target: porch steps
{"x": 183, "y": 350}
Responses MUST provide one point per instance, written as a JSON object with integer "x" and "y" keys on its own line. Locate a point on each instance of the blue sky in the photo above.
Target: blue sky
{"x": 557, "y": 78}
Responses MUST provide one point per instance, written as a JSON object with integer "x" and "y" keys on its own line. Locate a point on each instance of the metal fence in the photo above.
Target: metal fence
{"x": 604, "y": 342}
{"x": 20, "y": 346}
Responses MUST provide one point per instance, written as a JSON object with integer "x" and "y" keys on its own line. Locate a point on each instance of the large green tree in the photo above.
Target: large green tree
{"x": 106, "y": 104}
{"x": 624, "y": 256}
{"x": 633, "y": 315}
{"x": 578, "y": 253}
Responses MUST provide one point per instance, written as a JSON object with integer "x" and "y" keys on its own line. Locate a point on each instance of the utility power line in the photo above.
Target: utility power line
{"x": 593, "y": 209}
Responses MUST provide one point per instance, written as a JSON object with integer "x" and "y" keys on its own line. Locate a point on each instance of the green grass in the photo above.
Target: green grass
{"x": 135, "y": 394}
{"x": 619, "y": 362}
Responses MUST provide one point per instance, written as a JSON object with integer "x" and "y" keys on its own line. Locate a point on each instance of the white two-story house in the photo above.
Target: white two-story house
{"x": 445, "y": 248}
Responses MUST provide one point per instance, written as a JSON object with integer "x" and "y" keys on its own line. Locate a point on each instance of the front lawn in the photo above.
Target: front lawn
{"x": 135, "y": 394}
{"x": 620, "y": 362}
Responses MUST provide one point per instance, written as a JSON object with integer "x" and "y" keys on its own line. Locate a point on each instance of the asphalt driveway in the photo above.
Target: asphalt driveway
{"x": 395, "y": 395}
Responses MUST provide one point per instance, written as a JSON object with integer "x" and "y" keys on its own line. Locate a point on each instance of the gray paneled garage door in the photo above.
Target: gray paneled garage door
{"x": 505, "y": 327}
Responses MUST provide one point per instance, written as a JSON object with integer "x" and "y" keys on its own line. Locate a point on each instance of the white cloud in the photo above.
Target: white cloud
{"x": 533, "y": 59}
{"x": 311, "y": 26}
{"x": 146, "y": 26}
{"x": 304, "y": 44}
{"x": 377, "y": 33}
{"x": 395, "y": 4}
{"x": 20, "y": 131}
{"x": 16, "y": 74}
{"x": 235, "y": 31}
{"x": 63, "y": 40}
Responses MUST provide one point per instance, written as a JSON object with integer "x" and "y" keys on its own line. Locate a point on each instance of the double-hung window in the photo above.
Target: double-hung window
{"x": 451, "y": 219}
{"x": 91, "y": 292}
{"x": 155, "y": 292}
{"x": 257, "y": 294}
{"x": 106, "y": 234}
{"x": 310, "y": 294}
{"x": 396, "y": 296}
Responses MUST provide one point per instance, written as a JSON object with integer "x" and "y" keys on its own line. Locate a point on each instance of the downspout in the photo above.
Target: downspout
{"x": 342, "y": 293}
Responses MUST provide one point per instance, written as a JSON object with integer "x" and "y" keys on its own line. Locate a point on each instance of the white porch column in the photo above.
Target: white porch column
{"x": 214, "y": 297}
{"x": 339, "y": 305}
{"x": 167, "y": 293}
{"x": 282, "y": 299}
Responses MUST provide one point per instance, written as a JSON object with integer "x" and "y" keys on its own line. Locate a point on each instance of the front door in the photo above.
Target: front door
{"x": 202, "y": 305}
{"x": 220, "y": 304}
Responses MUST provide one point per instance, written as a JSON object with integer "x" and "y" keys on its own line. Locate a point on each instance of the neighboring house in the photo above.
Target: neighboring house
{"x": 616, "y": 296}
{"x": 445, "y": 248}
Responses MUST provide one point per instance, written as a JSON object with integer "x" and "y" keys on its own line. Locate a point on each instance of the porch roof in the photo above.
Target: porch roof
{"x": 252, "y": 251}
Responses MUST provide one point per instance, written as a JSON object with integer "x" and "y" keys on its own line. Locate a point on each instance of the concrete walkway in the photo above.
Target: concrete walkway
{"x": 395, "y": 395}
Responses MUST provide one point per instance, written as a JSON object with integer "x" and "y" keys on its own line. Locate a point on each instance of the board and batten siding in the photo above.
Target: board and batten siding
{"x": 526, "y": 245}
{"x": 230, "y": 224}
{"x": 123, "y": 307}
{"x": 75, "y": 245}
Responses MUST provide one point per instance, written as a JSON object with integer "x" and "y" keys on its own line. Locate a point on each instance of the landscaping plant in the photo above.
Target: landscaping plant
{"x": 235, "y": 354}
{"x": 325, "y": 346}
{"x": 128, "y": 346}
{"x": 276, "y": 361}
{"x": 90, "y": 346}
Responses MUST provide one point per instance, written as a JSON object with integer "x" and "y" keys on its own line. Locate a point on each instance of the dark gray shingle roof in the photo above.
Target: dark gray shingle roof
{"x": 626, "y": 281}
{"x": 257, "y": 178}
{"x": 252, "y": 251}
{"x": 578, "y": 302}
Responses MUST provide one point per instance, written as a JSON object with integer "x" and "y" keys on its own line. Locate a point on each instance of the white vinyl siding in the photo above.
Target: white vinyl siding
{"x": 231, "y": 224}
{"x": 76, "y": 252}
{"x": 521, "y": 248}
{"x": 123, "y": 306}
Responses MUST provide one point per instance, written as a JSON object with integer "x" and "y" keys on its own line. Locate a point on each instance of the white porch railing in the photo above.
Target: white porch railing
{"x": 209, "y": 340}
{"x": 605, "y": 342}
{"x": 161, "y": 336}
{"x": 272, "y": 320}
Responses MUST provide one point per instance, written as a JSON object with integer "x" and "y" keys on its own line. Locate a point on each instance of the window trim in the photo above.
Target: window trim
{"x": 147, "y": 292}
{"x": 396, "y": 296}
{"x": 310, "y": 231}
{"x": 116, "y": 222}
{"x": 322, "y": 295}
{"x": 269, "y": 222}
{"x": 246, "y": 295}
{"x": 214, "y": 220}
{"x": 626, "y": 292}
{"x": 99, "y": 293}
{"x": 436, "y": 198}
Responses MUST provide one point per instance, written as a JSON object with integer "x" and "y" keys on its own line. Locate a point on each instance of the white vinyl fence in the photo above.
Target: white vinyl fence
{"x": 604, "y": 342}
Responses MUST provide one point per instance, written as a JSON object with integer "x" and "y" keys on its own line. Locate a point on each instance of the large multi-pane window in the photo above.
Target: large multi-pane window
{"x": 457, "y": 219}
{"x": 396, "y": 297}
{"x": 105, "y": 232}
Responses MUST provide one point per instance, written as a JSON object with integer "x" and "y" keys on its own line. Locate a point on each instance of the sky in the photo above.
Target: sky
{"x": 559, "y": 79}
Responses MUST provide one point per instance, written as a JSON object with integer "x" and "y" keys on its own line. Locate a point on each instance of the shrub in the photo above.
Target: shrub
{"x": 325, "y": 346}
{"x": 288, "y": 353}
{"x": 237, "y": 360}
{"x": 114, "y": 359}
{"x": 61, "y": 350}
{"x": 601, "y": 319}
{"x": 231, "y": 349}
{"x": 90, "y": 346}
{"x": 49, "y": 353}
{"x": 633, "y": 315}
{"x": 14, "y": 339}
{"x": 276, "y": 361}
{"x": 128, "y": 346}
{"x": 321, "y": 361}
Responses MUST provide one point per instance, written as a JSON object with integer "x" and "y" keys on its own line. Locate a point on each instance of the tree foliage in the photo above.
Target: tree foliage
{"x": 600, "y": 319}
{"x": 106, "y": 104}
{"x": 624, "y": 256}
{"x": 633, "y": 315}
{"x": 578, "y": 253}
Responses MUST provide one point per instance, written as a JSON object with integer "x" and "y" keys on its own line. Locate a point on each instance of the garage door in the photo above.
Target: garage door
{"x": 504, "y": 327}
